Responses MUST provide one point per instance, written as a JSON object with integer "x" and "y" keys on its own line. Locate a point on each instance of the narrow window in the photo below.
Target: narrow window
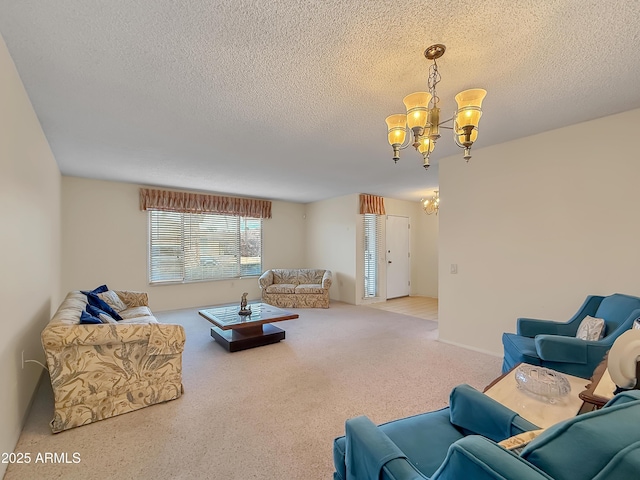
{"x": 372, "y": 243}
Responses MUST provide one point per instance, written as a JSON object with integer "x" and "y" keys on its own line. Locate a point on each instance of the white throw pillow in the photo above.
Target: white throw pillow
{"x": 591, "y": 329}
{"x": 112, "y": 299}
{"x": 105, "y": 318}
{"x": 636, "y": 324}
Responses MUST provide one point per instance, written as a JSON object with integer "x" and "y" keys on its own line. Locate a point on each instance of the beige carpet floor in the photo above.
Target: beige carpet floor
{"x": 267, "y": 413}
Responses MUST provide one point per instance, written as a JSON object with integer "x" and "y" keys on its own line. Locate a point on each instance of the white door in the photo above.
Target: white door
{"x": 398, "y": 266}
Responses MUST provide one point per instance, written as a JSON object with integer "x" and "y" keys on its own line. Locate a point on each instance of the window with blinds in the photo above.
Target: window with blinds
{"x": 372, "y": 245}
{"x": 190, "y": 247}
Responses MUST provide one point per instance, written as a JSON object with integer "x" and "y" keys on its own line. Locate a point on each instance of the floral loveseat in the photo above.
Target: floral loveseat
{"x": 296, "y": 288}
{"x": 101, "y": 370}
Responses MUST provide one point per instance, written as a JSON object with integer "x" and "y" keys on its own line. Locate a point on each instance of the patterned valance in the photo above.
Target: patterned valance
{"x": 186, "y": 202}
{"x": 372, "y": 204}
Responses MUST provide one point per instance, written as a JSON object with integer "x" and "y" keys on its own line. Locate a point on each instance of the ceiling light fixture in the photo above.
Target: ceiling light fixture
{"x": 431, "y": 205}
{"x": 423, "y": 116}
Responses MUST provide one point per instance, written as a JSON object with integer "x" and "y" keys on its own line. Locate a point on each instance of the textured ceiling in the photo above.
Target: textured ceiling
{"x": 287, "y": 100}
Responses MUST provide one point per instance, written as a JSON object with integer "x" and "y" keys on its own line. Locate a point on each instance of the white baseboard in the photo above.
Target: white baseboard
{"x": 469, "y": 347}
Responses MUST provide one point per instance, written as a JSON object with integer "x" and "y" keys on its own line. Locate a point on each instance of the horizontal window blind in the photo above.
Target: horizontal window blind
{"x": 190, "y": 247}
{"x": 166, "y": 252}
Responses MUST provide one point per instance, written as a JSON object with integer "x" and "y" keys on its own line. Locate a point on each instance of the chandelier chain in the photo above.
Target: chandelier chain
{"x": 433, "y": 80}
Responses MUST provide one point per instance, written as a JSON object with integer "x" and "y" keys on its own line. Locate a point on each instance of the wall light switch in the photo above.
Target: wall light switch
{"x": 454, "y": 268}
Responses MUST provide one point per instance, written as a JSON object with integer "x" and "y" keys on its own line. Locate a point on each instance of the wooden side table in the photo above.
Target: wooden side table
{"x": 505, "y": 391}
{"x": 601, "y": 388}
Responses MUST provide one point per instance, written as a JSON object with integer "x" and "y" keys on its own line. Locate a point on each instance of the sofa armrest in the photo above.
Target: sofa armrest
{"x": 530, "y": 327}
{"x": 162, "y": 338}
{"x": 557, "y": 348}
{"x": 327, "y": 279}
{"x": 478, "y": 413}
{"x": 166, "y": 339}
{"x": 481, "y": 459}
{"x": 367, "y": 449}
{"x": 266, "y": 279}
{"x": 133, "y": 299}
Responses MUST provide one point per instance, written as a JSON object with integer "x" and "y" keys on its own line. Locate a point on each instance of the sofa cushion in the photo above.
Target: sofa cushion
{"x": 285, "y": 276}
{"x": 308, "y": 276}
{"x": 134, "y": 312}
{"x": 96, "y": 301}
{"x": 615, "y": 310}
{"x": 112, "y": 299}
{"x": 281, "y": 288}
{"x": 100, "y": 314}
{"x": 142, "y": 319}
{"x": 309, "y": 288}
{"x": 88, "y": 319}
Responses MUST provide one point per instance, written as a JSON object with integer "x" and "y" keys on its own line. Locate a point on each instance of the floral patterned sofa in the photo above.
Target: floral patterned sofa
{"x": 296, "y": 288}
{"x": 102, "y": 370}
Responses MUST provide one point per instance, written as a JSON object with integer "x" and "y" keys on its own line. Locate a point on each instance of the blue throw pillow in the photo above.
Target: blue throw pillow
{"x": 87, "y": 319}
{"x": 98, "y": 313}
{"x": 96, "y": 301}
{"x": 100, "y": 289}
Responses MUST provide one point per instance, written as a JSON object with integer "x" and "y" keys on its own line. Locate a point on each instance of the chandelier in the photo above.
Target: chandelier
{"x": 431, "y": 205}
{"x": 423, "y": 116}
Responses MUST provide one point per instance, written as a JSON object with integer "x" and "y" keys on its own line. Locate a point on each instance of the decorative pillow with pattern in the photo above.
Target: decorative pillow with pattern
{"x": 112, "y": 299}
{"x": 636, "y": 324}
{"x": 517, "y": 443}
{"x": 591, "y": 329}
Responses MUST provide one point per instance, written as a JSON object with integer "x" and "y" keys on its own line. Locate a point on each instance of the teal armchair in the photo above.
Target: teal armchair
{"x": 422, "y": 441}
{"x": 553, "y": 344}
{"x": 604, "y": 444}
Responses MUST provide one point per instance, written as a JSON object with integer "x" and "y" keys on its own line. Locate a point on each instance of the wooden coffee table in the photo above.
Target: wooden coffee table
{"x": 236, "y": 332}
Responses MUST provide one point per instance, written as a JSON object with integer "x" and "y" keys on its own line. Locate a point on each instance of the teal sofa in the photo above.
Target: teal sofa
{"x": 554, "y": 344}
{"x": 458, "y": 443}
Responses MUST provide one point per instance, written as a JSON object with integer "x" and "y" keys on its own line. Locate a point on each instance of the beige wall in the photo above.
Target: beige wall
{"x": 29, "y": 248}
{"x": 535, "y": 225}
{"x": 331, "y": 243}
{"x": 105, "y": 238}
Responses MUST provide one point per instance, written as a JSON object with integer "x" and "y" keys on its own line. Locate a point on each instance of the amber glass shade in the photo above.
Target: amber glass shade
{"x": 397, "y": 128}
{"x": 426, "y": 145}
{"x": 469, "y": 107}
{"x": 417, "y": 107}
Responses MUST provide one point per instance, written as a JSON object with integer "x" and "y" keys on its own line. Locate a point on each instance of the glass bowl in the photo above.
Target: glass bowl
{"x": 541, "y": 382}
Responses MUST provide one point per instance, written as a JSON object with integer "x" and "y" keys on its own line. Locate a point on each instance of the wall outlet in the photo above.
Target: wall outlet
{"x": 454, "y": 268}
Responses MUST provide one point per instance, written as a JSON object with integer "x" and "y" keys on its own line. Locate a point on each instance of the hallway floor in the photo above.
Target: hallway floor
{"x": 421, "y": 307}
